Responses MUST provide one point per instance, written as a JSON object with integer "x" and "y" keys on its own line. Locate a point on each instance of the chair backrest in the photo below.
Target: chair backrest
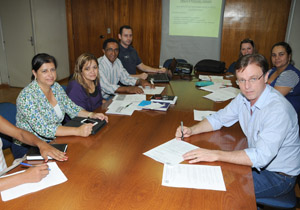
{"x": 169, "y": 61}
{"x": 8, "y": 111}
{"x": 64, "y": 87}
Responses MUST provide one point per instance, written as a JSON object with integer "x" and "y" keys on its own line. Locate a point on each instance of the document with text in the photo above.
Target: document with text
{"x": 170, "y": 152}
{"x": 55, "y": 177}
{"x": 193, "y": 176}
{"x": 223, "y": 94}
{"x": 122, "y": 107}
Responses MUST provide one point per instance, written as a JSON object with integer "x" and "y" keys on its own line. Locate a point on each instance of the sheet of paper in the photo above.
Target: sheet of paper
{"x": 223, "y": 94}
{"x": 201, "y": 115}
{"x": 149, "y": 91}
{"x": 193, "y": 176}
{"x": 54, "y": 177}
{"x": 170, "y": 152}
{"x": 204, "y": 77}
{"x": 122, "y": 107}
{"x": 129, "y": 97}
{"x": 212, "y": 88}
{"x": 216, "y": 80}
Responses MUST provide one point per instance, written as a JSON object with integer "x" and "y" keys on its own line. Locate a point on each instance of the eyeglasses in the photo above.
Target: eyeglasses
{"x": 110, "y": 50}
{"x": 252, "y": 80}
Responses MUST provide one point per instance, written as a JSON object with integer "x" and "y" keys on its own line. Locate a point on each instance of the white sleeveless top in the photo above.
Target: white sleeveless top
{"x": 2, "y": 159}
{"x": 58, "y": 112}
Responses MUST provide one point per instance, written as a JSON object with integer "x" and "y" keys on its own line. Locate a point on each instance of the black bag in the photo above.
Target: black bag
{"x": 208, "y": 65}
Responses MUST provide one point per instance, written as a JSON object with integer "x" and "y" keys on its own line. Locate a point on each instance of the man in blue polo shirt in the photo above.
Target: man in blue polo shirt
{"x": 268, "y": 121}
{"x": 129, "y": 56}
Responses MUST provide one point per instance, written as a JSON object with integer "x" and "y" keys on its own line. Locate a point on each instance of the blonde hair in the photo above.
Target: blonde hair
{"x": 80, "y": 62}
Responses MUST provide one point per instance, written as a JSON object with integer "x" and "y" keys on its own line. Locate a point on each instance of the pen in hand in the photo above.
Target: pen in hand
{"x": 29, "y": 165}
{"x": 181, "y": 130}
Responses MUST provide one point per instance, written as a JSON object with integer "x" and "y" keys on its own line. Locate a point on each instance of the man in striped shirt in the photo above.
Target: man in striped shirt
{"x": 112, "y": 72}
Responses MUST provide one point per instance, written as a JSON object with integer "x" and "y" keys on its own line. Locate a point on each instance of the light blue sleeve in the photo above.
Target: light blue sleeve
{"x": 227, "y": 116}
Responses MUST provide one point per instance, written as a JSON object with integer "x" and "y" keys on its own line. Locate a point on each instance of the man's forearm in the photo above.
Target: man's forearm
{"x": 201, "y": 127}
{"x": 237, "y": 157}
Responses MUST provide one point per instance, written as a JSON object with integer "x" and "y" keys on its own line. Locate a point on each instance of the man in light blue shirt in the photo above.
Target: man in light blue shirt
{"x": 270, "y": 124}
{"x": 112, "y": 72}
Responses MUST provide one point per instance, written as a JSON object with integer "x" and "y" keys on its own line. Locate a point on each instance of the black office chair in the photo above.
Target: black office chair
{"x": 169, "y": 61}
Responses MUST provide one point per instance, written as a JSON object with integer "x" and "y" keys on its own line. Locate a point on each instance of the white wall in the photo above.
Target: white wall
{"x": 50, "y": 32}
{"x": 293, "y": 32}
{"x": 3, "y": 65}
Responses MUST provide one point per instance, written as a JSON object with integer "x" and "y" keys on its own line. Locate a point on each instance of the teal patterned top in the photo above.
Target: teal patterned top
{"x": 35, "y": 113}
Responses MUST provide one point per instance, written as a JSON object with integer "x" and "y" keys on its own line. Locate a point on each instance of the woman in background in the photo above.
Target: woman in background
{"x": 42, "y": 105}
{"x": 247, "y": 47}
{"x": 284, "y": 76}
{"x": 84, "y": 88}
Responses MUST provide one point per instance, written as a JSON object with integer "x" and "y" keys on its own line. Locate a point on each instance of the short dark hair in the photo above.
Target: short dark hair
{"x": 39, "y": 59}
{"x": 122, "y": 27}
{"x": 287, "y": 48}
{"x": 109, "y": 40}
{"x": 250, "y": 41}
{"x": 257, "y": 59}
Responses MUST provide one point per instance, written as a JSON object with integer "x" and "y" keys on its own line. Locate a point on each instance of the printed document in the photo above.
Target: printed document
{"x": 55, "y": 177}
{"x": 170, "y": 152}
{"x": 201, "y": 115}
{"x": 122, "y": 107}
{"x": 223, "y": 94}
{"x": 193, "y": 176}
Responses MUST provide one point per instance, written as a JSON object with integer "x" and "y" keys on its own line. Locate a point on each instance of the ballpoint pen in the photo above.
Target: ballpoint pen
{"x": 127, "y": 105}
{"x": 181, "y": 130}
{"x": 29, "y": 165}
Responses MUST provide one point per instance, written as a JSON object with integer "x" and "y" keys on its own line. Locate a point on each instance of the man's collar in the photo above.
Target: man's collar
{"x": 108, "y": 61}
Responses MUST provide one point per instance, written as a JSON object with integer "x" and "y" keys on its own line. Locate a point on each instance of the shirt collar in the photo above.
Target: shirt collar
{"x": 108, "y": 61}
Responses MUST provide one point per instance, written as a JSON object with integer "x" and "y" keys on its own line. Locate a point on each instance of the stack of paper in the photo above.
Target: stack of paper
{"x": 223, "y": 94}
{"x": 158, "y": 106}
{"x": 164, "y": 98}
{"x": 125, "y": 104}
{"x": 185, "y": 175}
{"x": 217, "y": 80}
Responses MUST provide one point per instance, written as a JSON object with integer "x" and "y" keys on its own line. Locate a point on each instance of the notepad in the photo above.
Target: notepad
{"x": 34, "y": 152}
{"x": 55, "y": 177}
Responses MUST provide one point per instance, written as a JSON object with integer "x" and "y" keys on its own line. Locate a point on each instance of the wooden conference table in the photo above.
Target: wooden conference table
{"x": 109, "y": 171}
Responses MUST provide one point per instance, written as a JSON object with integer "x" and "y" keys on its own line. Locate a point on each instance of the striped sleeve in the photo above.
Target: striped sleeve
{"x": 287, "y": 78}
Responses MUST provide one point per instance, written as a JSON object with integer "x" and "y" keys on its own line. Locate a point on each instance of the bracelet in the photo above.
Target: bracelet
{"x": 90, "y": 114}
